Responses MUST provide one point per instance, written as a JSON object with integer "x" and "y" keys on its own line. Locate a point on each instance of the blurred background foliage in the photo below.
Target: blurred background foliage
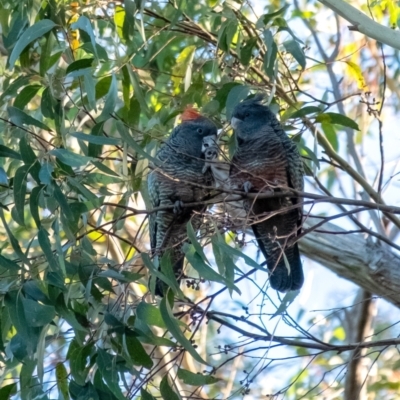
{"x": 89, "y": 90}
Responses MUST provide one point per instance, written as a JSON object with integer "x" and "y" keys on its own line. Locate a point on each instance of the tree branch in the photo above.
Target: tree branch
{"x": 355, "y": 258}
{"x": 361, "y": 23}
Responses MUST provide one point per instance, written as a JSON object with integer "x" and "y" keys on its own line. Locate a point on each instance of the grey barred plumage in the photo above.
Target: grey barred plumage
{"x": 170, "y": 184}
{"x": 267, "y": 160}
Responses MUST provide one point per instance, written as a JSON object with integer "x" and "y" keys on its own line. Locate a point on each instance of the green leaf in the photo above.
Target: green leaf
{"x": 89, "y": 87}
{"x": 19, "y": 118}
{"x": 139, "y": 95}
{"x": 155, "y": 272}
{"x": 77, "y": 356}
{"x": 84, "y": 24}
{"x": 235, "y": 96}
{"x": 12, "y": 89}
{"x": 337, "y": 119}
{"x": 47, "y": 104}
{"x": 247, "y": 50}
{"x": 88, "y": 247}
{"x": 62, "y": 381}
{"x": 9, "y": 264}
{"x": 29, "y": 158}
{"x": 31, "y": 34}
{"x": 145, "y": 335}
{"x": 26, "y": 95}
{"x": 101, "y": 51}
{"x": 221, "y": 43}
{"x": 111, "y": 101}
{"x": 27, "y": 383}
{"x": 106, "y": 364}
{"x": 310, "y": 154}
{"x": 6, "y": 152}
{"x": 146, "y": 395}
{"x": 193, "y": 239}
{"x": 70, "y": 158}
{"x": 14, "y": 242}
{"x": 126, "y": 136}
{"x": 270, "y": 55}
{"x": 236, "y": 253}
{"x": 28, "y": 155}
{"x": 38, "y": 314}
{"x": 20, "y": 180}
{"x": 68, "y": 314}
{"x": 79, "y": 64}
{"x": 173, "y": 328}
{"x": 110, "y": 273}
{"x": 166, "y": 391}
{"x": 266, "y": 18}
{"x": 104, "y": 168}
{"x": 149, "y": 314}
{"x": 104, "y": 180}
{"x": 293, "y": 47}
{"x": 96, "y": 139}
{"x": 95, "y": 150}
{"x": 96, "y": 201}
{"x": 45, "y": 173}
{"x": 34, "y": 204}
{"x": 283, "y": 26}
{"x": 44, "y": 242}
{"x": 7, "y": 391}
{"x": 200, "y": 266}
{"x": 103, "y": 86}
{"x": 223, "y": 93}
{"x": 131, "y": 276}
{"x": 120, "y": 211}
{"x": 190, "y": 378}
{"x": 330, "y": 133}
{"x": 305, "y": 111}
{"x": 62, "y": 201}
{"x": 59, "y": 118}
{"x": 137, "y": 353}
{"x": 45, "y": 62}
{"x": 13, "y": 301}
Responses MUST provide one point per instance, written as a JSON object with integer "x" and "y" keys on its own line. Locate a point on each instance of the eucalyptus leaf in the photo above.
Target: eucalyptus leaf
{"x": 84, "y": 24}
{"x": 174, "y": 329}
{"x": 70, "y": 158}
{"x": 190, "y": 378}
{"x": 166, "y": 391}
{"x": 31, "y": 34}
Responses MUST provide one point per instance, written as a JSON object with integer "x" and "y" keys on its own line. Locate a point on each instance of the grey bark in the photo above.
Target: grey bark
{"x": 352, "y": 256}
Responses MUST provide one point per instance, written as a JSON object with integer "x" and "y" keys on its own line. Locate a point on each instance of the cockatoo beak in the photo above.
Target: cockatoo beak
{"x": 234, "y": 122}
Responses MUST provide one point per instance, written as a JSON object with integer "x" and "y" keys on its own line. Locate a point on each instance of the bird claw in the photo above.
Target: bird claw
{"x": 247, "y": 186}
{"x": 211, "y": 153}
{"x": 178, "y": 207}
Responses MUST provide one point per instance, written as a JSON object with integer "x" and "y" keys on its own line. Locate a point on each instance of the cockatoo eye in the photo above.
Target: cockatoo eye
{"x": 247, "y": 114}
{"x": 199, "y": 130}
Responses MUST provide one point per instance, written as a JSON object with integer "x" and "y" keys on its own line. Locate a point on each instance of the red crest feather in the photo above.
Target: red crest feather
{"x": 190, "y": 114}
